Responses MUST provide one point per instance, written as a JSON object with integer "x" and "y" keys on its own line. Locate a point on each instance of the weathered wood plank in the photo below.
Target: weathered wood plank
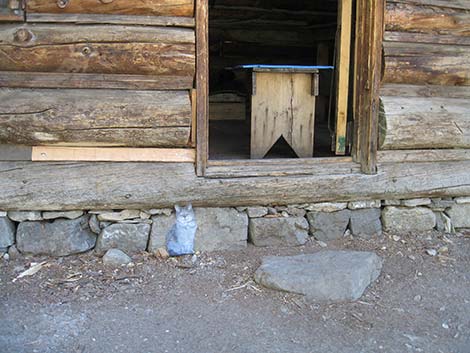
{"x": 15, "y": 153}
{"x": 368, "y": 66}
{"x": 342, "y": 64}
{"x": 52, "y": 186}
{"x": 425, "y": 91}
{"x": 421, "y": 64}
{"x": 115, "y": 154}
{"x": 97, "y": 49}
{"x": 121, "y": 7}
{"x": 452, "y": 4}
{"x": 95, "y": 117}
{"x": 18, "y": 79}
{"x": 425, "y": 19}
{"x": 202, "y": 85}
{"x": 166, "y": 21}
{"x": 415, "y": 156}
{"x": 425, "y": 38}
{"x": 417, "y": 123}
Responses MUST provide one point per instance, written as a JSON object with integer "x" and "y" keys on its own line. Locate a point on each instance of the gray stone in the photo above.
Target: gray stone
{"x": 296, "y": 212}
{"x": 460, "y": 215}
{"x": 416, "y": 202}
{"x": 7, "y": 233}
{"x": 119, "y": 216}
{"x": 403, "y": 219}
{"x": 327, "y": 206}
{"x": 359, "y": 205}
{"x": 116, "y": 257}
{"x": 130, "y": 238}
{"x": 331, "y": 276}
{"x": 272, "y": 211}
{"x": 220, "y": 229}
{"x": 366, "y": 223}
{"x": 59, "y": 238}
{"x": 13, "y": 252}
{"x": 292, "y": 231}
{"x": 58, "y": 214}
{"x": 94, "y": 224}
{"x": 391, "y": 202}
{"x": 22, "y": 216}
{"x": 159, "y": 211}
{"x": 444, "y": 223}
{"x": 144, "y": 215}
{"x": 328, "y": 226}
{"x": 160, "y": 227}
{"x": 438, "y": 204}
{"x": 257, "y": 212}
{"x": 462, "y": 200}
{"x": 3, "y": 213}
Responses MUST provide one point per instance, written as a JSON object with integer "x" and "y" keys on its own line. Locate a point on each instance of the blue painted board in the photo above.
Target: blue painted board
{"x": 298, "y": 67}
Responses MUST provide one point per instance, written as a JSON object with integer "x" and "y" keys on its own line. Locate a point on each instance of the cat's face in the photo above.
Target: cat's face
{"x": 184, "y": 214}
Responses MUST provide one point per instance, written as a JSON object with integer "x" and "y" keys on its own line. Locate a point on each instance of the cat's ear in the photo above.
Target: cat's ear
{"x": 189, "y": 207}
{"x": 177, "y": 208}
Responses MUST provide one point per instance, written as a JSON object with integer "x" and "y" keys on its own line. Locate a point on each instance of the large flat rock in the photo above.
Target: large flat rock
{"x": 130, "y": 238}
{"x": 331, "y": 276}
{"x": 291, "y": 231}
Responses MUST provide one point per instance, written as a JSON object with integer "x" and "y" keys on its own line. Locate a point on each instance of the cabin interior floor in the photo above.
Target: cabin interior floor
{"x": 230, "y": 139}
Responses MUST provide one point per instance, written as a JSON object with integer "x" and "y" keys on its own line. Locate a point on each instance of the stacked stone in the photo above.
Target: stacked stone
{"x": 134, "y": 231}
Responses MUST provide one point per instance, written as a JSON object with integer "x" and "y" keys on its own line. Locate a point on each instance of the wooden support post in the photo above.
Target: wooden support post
{"x": 202, "y": 85}
{"x": 342, "y": 67}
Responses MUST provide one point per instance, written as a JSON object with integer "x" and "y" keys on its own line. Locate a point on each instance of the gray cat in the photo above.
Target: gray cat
{"x": 180, "y": 238}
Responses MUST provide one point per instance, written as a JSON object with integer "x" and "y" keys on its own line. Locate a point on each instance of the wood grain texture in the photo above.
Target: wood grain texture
{"x": 19, "y": 79}
{"x": 95, "y": 117}
{"x": 420, "y": 64}
{"x": 368, "y": 72}
{"x": 425, "y": 91}
{"x": 282, "y": 106}
{"x": 62, "y": 185}
{"x": 97, "y": 49}
{"x": 418, "y": 156}
{"x": 425, "y": 123}
{"x": 414, "y": 18}
{"x": 202, "y": 85}
{"x": 342, "y": 64}
{"x": 166, "y": 21}
{"x": 121, "y": 7}
{"x": 115, "y": 154}
{"x": 444, "y": 4}
{"x": 407, "y": 37}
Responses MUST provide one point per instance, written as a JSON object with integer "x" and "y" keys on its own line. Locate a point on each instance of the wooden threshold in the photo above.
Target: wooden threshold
{"x": 280, "y": 167}
{"x": 114, "y": 154}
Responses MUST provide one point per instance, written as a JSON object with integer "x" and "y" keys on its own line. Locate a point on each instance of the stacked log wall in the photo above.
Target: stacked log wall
{"x": 426, "y": 78}
{"x": 95, "y": 73}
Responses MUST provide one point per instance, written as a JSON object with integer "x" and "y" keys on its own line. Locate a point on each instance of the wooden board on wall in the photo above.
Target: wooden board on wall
{"x": 416, "y": 63}
{"x": 122, "y": 7}
{"x": 114, "y": 154}
{"x": 445, "y": 4}
{"x": 417, "y": 123}
{"x": 95, "y": 117}
{"x": 98, "y": 49}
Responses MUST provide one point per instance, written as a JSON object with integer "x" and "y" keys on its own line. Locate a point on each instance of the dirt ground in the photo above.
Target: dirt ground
{"x": 421, "y": 303}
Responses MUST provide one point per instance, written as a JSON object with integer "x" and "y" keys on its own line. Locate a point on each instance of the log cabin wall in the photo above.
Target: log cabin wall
{"x": 98, "y": 73}
{"x": 425, "y": 92}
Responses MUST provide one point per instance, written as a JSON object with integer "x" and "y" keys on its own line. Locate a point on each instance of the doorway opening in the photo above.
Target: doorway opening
{"x": 273, "y": 92}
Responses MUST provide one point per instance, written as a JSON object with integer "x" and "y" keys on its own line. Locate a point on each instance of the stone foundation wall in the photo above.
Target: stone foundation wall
{"x": 133, "y": 231}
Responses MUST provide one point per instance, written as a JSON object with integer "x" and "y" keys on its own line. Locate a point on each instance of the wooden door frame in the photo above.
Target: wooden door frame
{"x": 367, "y": 73}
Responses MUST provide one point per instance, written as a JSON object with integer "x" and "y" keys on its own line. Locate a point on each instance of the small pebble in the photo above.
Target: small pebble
{"x": 396, "y": 238}
{"x": 445, "y": 325}
{"x": 417, "y": 298}
{"x": 431, "y": 252}
{"x": 6, "y": 257}
{"x": 322, "y": 244}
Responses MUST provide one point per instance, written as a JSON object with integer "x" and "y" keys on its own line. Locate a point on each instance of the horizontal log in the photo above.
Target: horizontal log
{"x": 407, "y": 37}
{"x": 18, "y": 79}
{"x": 422, "y": 64}
{"x": 425, "y": 91}
{"x": 418, "y": 156}
{"x": 62, "y": 185}
{"x": 117, "y": 7}
{"x": 115, "y": 154}
{"x": 98, "y": 49}
{"x": 166, "y": 21}
{"x": 426, "y": 19}
{"x": 424, "y": 123}
{"x": 446, "y": 4}
{"x": 95, "y": 117}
